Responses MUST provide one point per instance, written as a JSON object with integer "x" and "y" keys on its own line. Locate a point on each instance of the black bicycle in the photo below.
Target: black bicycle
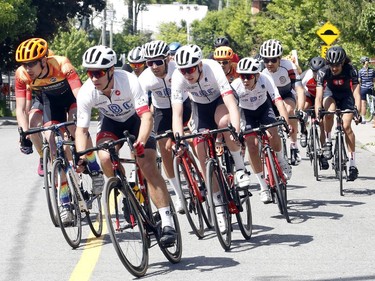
{"x": 340, "y": 157}
{"x": 131, "y": 221}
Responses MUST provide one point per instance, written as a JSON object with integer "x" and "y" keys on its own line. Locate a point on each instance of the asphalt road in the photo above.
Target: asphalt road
{"x": 330, "y": 237}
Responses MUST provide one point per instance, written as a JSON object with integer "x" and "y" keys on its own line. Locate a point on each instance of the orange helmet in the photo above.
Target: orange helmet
{"x": 223, "y": 53}
{"x": 31, "y": 49}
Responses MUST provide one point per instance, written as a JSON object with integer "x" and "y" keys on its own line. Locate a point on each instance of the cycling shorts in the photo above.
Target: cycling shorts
{"x": 163, "y": 117}
{"x": 251, "y": 119}
{"x": 203, "y": 115}
{"x": 365, "y": 92}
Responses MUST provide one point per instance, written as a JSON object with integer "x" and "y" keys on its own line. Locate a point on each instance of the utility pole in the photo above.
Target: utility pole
{"x": 104, "y": 27}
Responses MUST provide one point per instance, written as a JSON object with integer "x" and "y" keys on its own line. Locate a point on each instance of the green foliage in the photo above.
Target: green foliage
{"x": 171, "y": 32}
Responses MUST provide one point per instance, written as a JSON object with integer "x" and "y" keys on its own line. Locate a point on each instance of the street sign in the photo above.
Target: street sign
{"x": 324, "y": 51}
{"x": 328, "y": 33}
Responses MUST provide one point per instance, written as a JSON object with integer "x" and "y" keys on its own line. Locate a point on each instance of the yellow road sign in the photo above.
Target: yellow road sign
{"x": 328, "y": 33}
{"x": 324, "y": 51}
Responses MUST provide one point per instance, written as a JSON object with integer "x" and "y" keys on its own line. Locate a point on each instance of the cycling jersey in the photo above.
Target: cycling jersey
{"x": 232, "y": 74}
{"x": 309, "y": 83}
{"x": 286, "y": 77}
{"x": 207, "y": 89}
{"x": 61, "y": 79}
{"x": 126, "y": 99}
{"x": 367, "y": 76}
{"x": 340, "y": 85}
{"x": 255, "y": 98}
{"x": 160, "y": 88}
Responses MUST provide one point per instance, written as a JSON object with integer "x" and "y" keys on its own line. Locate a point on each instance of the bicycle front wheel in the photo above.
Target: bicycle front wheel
{"x": 219, "y": 207}
{"x": 192, "y": 205}
{"x": 280, "y": 187}
{"x": 339, "y": 161}
{"x": 47, "y": 168}
{"x": 125, "y": 228}
{"x": 244, "y": 217}
{"x": 69, "y": 217}
{"x": 94, "y": 214}
{"x": 315, "y": 151}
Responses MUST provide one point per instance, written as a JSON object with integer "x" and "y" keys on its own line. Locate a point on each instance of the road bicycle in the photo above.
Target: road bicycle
{"x": 233, "y": 199}
{"x": 370, "y": 108}
{"x": 130, "y": 218}
{"x": 314, "y": 148}
{"x": 273, "y": 173}
{"x": 61, "y": 171}
{"x": 340, "y": 157}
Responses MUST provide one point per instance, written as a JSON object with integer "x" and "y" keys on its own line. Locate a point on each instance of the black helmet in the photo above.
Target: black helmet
{"x": 221, "y": 41}
{"x": 364, "y": 59}
{"x": 317, "y": 63}
{"x": 335, "y": 55}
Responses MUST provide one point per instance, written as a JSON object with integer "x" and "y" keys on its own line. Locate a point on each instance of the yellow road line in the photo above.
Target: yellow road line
{"x": 89, "y": 257}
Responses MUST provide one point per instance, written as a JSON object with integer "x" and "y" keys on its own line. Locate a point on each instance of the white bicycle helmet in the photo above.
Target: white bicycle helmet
{"x": 155, "y": 49}
{"x": 99, "y": 57}
{"x": 188, "y": 56}
{"x": 271, "y": 49}
{"x": 248, "y": 66}
{"x": 135, "y": 55}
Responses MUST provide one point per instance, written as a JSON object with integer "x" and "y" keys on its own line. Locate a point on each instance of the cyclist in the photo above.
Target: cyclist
{"x": 366, "y": 76}
{"x": 55, "y": 83}
{"x": 136, "y": 60}
{"x": 123, "y": 106}
{"x": 220, "y": 42}
{"x": 253, "y": 89}
{"x": 173, "y": 47}
{"x": 213, "y": 106}
{"x": 341, "y": 91}
{"x": 224, "y": 56}
{"x": 157, "y": 80}
{"x": 285, "y": 75}
{"x": 309, "y": 83}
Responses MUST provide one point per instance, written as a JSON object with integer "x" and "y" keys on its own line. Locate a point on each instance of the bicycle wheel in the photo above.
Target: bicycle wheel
{"x": 192, "y": 205}
{"x": 280, "y": 187}
{"x": 47, "y": 168}
{"x": 340, "y": 166}
{"x": 315, "y": 151}
{"x": 244, "y": 217}
{"x": 370, "y": 108}
{"x": 214, "y": 178}
{"x": 72, "y": 230}
{"x": 174, "y": 253}
{"x": 94, "y": 214}
{"x": 125, "y": 228}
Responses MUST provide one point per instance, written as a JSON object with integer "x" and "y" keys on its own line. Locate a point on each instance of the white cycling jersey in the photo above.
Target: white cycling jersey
{"x": 286, "y": 77}
{"x": 160, "y": 88}
{"x": 126, "y": 99}
{"x": 212, "y": 84}
{"x": 253, "y": 99}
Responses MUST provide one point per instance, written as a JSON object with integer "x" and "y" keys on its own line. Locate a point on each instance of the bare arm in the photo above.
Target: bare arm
{"x": 22, "y": 113}
{"x": 145, "y": 129}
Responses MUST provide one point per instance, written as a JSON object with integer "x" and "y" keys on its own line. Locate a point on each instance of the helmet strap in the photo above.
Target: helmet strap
{"x": 41, "y": 72}
{"x": 109, "y": 80}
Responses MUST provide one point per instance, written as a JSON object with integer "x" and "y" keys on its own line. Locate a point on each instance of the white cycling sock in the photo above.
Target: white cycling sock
{"x": 352, "y": 159}
{"x": 174, "y": 183}
{"x": 166, "y": 217}
{"x": 238, "y": 160}
{"x": 261, "y": 180}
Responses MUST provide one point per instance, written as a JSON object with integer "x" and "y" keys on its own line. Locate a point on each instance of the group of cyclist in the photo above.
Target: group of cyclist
{"x": 169, "y": 87}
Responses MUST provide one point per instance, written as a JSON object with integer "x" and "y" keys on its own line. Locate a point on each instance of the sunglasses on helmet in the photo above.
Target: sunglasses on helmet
{"x": 30, "y": 64}
{"x": 273, "y": 60}
{"x": 157, "y": 62}
{"x": 189, "y": 70}
{"x": 96, "y": 73}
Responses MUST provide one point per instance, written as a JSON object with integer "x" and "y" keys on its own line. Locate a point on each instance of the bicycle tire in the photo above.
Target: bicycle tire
{"x": 370, "y": 108}
{"x": 192, "y": 205}
{"x": 94, "y": 214}
{"x": 174, "y": 253}
{"x": 340, "y": 163}
{"x": 213, "y": 174}
{"x": 72, "y": 231}
{"x": 47, "y": 169}
{"x": 315, "y": 152}
{"x": 128, "y": 238}
{"x": 280, "y": 188}
{"x": 244, "y": 218}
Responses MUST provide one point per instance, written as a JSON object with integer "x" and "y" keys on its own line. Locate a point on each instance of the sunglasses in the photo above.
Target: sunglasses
{"x": 334, "y": 64}
{"x": 247, "y": 76}
{"x": 96, "y": 73}
{"x": 30, "y": 64}
{"x": 223, "y": 62}
{"x": 157, "y": 62}
{"x": 273, "y": 60}
{"x": 189, "y": 70}
{"x": 136, "y": 65}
